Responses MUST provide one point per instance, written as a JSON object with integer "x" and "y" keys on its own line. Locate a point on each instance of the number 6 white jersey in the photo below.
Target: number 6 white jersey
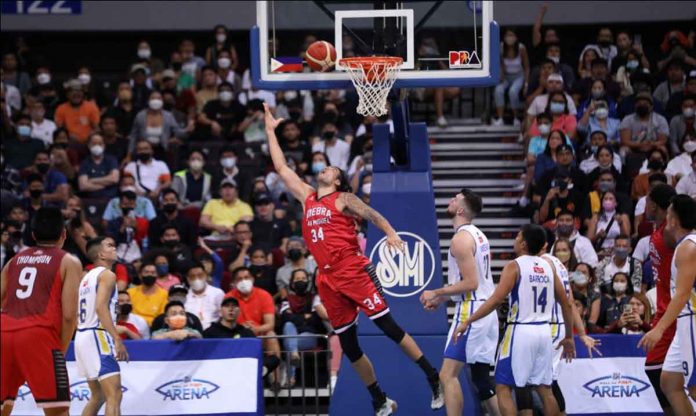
{"x": 87, "y": 307}
{"x": 482, "y": 256}
{"x": 532, "y": 298}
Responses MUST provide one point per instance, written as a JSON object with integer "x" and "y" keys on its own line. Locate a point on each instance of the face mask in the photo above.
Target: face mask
{"x": 555, "y": 59}
{"x": 606, "y": 186}
{"x": 23, "y": 130}
{"x": 565, "y": 230}
{"x": 642, "y": 110}
{"x": 198, "y": 285}
{"x": 318, "y": 167}
{"x": 366, "y": 188}
{"x": 608, "y": 206}
{"x": 42, "y": 167}
{"x": 221, "y": 38}
{"x": 169, "y": 208}
{"x": 125, "y": 309}
{"x": 155, "y": 104}
{"x": 170, "y": 243}
{"x": 289, "y": 95}
{"x": 688, "y": 112}
{"x": 245, "y": 286}
{"x": 97, "y": 150}
{"x": 162, "y": 270}
{"x": 295, "y": 115}
{"x": 597, "y": 94}
{"x": 544, "y": 129}
{"x": 579, "y": 278}
{"x": 148, "y": 280}
{"x": 655, "y": 165}
{"x": 601, "y": 113}
{"x": 228, "y": 162}
{"x": 621, "y": 253}
{"x": 619, "y": 287}
{"x": 43, "y": 78}
{"x": 35, "y": 193}
{"x": 294, "y": 254}
{"x": 144, "y": 53}
{"x": 176, "y": 321}
{"x": 690, "y": 146}
{"x": 84, "y": 78}
{"x": 632, "y": 65}
{"x": 196, "y": 165}
{"x": 176, "y": 66}
{"x": 225, "y": 96}
{"x": 563, "y": 256}
{"x": 510, "y": 40}
{"x": 328, "y": 135}
{"x": 224, "y": 62}
{"x": 143, "y": 157}
{"x": 557, "y": 108}
{"x": 126, "y": 211}
{"x": 300, "y": 287}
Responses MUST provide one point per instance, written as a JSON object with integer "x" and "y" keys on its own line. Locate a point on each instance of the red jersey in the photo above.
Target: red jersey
{"x": 661, "y": 257}
{"x": 330, "y": 234}
{"x": 34, "y": 290}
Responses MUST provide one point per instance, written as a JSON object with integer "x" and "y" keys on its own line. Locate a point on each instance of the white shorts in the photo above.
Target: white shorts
{"x": 557, "y": 335}
{"x": 94, "y": 354}
{"x": 525, "y": 356}
{"x": 479, "y": 342}
{"x": 681, "y": 356}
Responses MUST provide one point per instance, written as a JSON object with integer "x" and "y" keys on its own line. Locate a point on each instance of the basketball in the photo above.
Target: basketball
{"x": 321, "y": 56}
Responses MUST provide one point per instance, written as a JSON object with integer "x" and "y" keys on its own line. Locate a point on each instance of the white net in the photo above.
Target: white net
{"x": 373, "y": 78}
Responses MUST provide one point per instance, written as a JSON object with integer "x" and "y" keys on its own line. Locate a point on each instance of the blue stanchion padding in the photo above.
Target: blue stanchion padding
{"x": 613, "y": 345}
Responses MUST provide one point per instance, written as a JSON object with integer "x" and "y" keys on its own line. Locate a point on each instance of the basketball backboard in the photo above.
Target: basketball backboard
{"x": 442, "y": 43}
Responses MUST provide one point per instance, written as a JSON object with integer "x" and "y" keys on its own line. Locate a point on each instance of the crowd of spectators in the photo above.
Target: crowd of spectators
{"x": 600, "y": 137}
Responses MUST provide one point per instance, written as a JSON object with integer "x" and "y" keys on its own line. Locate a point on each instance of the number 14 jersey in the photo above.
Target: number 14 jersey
{"x": 532, "y": 298}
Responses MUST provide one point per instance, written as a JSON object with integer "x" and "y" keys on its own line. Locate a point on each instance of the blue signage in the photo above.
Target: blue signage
{"x": 41, "y": 7}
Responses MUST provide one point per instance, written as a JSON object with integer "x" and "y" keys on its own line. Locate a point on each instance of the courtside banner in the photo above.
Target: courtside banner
{"x": 203, "y": 377}
{"x": 615, "y": 383}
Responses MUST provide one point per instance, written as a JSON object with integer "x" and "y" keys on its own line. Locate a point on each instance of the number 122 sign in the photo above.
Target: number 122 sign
{"x": 41, "y": 7}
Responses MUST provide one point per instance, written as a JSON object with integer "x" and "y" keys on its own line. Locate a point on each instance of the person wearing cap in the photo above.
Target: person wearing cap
{"x": 141, "y": 85}
{"x": 193, "y": 184}
{"x": 644, "y": 130}
{"x": 268, "y": 231}
{"x": 220, "y": 214}
{"x": 221, "y": 115}
{"x": 79, "y": 116}
{"x": 296, "y": 259}
{"x": 143, "y": 206}
{"x": 673, "y": 84}
{"x": 178, "y": 293}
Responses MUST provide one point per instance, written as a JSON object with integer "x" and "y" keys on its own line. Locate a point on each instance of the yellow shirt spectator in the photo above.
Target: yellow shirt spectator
{"x": 149, "y": 305}
{"x": 220, "y": 215}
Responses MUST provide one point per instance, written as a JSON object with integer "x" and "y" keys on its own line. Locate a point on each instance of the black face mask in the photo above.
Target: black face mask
{"x": 257, "y": 270}
{"x": 126, "y": 211}
{"x": 176, "y": 66}
{"x": 328, "y": 135}
{"x": 300, "y": 288}
{"x": 642, "y": 110}
{"x": 125, "y": 309}
{"x": 655, "y": 165}
{"x": 294, "y": 254}
{"x": 42, "y": 168}
{"x": 171, "y": 243}
{"x": 143, "y": 157}
{"x": 35, "y": 193}
{"x": 169, "y": 208}
{"x": 148, "y": 280}
{"x": 295, "y": 115}
{"x": 16, "y": 235}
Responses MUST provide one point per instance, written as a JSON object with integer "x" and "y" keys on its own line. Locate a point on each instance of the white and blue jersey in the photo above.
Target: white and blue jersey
{"x": 557, "y": 323}
{"x": 525, "y": 354}
{"x": 478, "y": 343}
{"x": 681, "y": 356}
{"x": 94, "y": 347}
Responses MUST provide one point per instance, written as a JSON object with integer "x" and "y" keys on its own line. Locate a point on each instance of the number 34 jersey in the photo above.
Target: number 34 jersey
{"x": 532, "y": 298}
{"x": 34, "y": 289}
{"x": 329, "y": 234}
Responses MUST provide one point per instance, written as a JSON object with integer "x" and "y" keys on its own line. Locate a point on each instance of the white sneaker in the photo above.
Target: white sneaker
{"x": 438, "y": 399}
{"x": 388, "y": 408}
{"x": 497, "y": 122}
{"x": 441, "y": 121}
{"x": 516, "y": 122}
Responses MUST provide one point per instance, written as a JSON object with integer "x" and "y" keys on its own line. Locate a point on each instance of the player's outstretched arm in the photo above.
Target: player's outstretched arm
{"x": 297, "y": 186}
{"x": 685, "y": 258}
{"x": 107, "y": 285}
{"x": 462, "y": 249}
{"x": 349, "y": 203}
{"x": 567, "y": 343}
{"x": 71, "y": 269}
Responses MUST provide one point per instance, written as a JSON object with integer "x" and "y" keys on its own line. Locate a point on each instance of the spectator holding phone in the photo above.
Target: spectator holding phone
{"x": 612, "y": 303}
{"x": 635, "y": 318}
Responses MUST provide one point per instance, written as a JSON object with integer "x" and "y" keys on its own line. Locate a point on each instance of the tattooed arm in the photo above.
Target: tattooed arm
{"x": 351, "y": 204}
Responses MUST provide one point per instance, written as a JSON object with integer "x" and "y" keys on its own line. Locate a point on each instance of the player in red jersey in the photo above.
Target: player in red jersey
{"x": 38, "y": 295}
{"x": 346, "y": 279}
{"x": 661, "y": 256}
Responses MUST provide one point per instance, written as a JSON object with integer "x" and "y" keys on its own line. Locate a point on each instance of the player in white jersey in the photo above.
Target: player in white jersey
{"x": 526, "y": 352}
{"x": 470, "y": 284}
{"x": 678, "y": 369}
{"x": 98, "y": 345}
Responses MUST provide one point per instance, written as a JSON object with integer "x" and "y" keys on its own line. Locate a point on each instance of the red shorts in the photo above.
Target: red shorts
{"x": 34, "y": 355}
{"x": 656, "y": 356}
{"x": 350, "y": 286}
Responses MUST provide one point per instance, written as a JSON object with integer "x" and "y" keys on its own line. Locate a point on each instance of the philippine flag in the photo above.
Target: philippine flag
{"x": 286, "y": 64}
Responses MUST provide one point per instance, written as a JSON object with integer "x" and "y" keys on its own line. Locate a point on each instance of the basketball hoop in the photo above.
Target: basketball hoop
{"x": 373, "y": 77}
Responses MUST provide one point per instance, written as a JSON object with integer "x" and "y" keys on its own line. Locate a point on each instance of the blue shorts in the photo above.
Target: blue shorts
{"x": 94, "y": 354}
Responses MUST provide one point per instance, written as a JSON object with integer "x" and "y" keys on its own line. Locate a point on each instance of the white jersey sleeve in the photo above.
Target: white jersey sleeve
{"x": 482, "y": 257}
{"x": 562, "y": 272}
{"x": 87, "y": 301}
{"x": 532, "y": 298}
{"x": 690, "y": 307}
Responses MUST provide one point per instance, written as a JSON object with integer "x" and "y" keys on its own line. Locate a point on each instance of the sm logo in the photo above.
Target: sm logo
{"x": 404, "y": 274}
{"x": 464, "y": 59}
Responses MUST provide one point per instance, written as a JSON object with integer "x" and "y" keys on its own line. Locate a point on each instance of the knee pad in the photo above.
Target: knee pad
{"x": 390, "y": 328}
{"x": 558, "y": 394}
{"x": 349, "y": 343}
{"x": 481, "y": 378}
{"x": 523, "y": 397}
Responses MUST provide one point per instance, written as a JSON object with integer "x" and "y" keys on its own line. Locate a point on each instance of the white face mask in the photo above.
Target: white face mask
{"x": 196, "y": 165}
{"x": 290, "y": 95}
{"x": 97, "y": 150}
{"x": 228, "y": 162}
{"x": 225, "y": 96}
{"x": 601, "y": 113}
{"x": 84, "y": 78}
{"x": 619, "y": 287}
{"x": 198, "y": 285}
{"x": 155, "y": 104}
{"x": 690, "y": 146}
{"x": 43, "y": 78}
{"x": 544, "y": 129}
{"x": 224, "y": 62}
{"x": 366, "y": 188}
{"x": 221, "y": 37}
{"x": 144, "y": 53}
{"x": 245, "y": 286}
{"x": 688, "y": 112}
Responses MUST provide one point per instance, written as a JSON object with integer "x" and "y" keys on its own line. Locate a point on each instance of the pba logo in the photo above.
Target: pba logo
{"x": 616, "y": 386}
{"x": 404, "y": 274}
{"x": 187, "y": 388}
{"x": 464, "y": 59}
{"x": 80, "y": 391}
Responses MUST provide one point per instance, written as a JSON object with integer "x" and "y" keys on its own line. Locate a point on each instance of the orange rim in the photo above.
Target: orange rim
{"x": 368, "y": 62}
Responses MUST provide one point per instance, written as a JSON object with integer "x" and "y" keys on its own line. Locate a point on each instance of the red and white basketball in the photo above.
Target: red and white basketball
{"x": 321, "y": 56}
